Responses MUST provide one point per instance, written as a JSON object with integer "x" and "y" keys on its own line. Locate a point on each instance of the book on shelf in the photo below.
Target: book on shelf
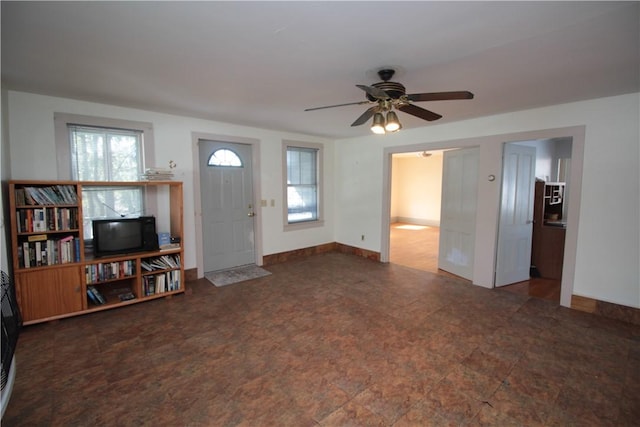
{"x": 49, "y": 195}
{"x": 37, "y": 251}
{"x": 160, "y": 283}
{"x": 101, "y": 272}
{"x": 149, "y": 285}
{"x": 126, "y": 296}
{"x": 92, "y": 297}
{"x": 163, "y": 262}
{"x": 30, "y": 220}
{"x": 37, "y": 237}
{"x": 101, "y": 299}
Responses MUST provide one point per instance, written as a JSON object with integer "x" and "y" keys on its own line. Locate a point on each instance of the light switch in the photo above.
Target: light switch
{"x": 263, "y": 203}
{"x": 273, "y": 203}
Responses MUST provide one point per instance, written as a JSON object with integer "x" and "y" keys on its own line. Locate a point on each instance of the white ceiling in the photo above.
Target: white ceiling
{"x": 262, "y": 63}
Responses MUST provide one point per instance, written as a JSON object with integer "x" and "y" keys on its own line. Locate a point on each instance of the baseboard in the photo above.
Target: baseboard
{"x": 352, "y": 250}
{"x": 319, "y": 249}
{"x": 606, "y": 309}
{"x": 416, "y": 221}
{"x": 190, "y": 274}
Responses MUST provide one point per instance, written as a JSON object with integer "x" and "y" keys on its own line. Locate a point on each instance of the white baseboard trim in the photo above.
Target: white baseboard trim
{"x": 416, "y": 221}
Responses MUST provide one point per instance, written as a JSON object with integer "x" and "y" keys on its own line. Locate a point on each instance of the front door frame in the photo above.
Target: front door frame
{"x": 490, "y": 171}
{"x": 255, "y": 158}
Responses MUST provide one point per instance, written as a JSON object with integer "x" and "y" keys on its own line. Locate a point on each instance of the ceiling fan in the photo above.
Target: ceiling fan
{"x": 387, "y": 96}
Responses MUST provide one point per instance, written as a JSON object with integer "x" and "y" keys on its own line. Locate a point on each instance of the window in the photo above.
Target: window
{"x": 224, "y": 157}
{"x": 103, "y": 150}
{"x": 102, "y": 154}
{"x": 302, "y": 187}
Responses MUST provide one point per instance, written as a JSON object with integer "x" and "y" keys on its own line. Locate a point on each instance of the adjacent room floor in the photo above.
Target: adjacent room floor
{"x": 416, "y": 246}
{"x": 331, "y": 340}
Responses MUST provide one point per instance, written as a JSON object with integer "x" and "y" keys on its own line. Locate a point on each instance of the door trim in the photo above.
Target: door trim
{"x": 255, "y": 158}
{"x": 491, "y": 164}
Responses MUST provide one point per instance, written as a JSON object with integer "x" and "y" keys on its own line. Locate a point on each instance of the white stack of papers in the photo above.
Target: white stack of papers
{"x": 157, "y": 174}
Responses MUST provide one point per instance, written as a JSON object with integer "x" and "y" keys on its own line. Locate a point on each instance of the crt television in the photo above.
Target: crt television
{"x": 118, "y": 236}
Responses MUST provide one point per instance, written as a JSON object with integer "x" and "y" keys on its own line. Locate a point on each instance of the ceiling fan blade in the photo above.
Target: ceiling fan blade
{"x": 439, "y": 96}
{"x": 365, "y": 116}
{"x": 338, "y": 105}
{"x": 374, "y": 92}
{"x": 420, "y": 112}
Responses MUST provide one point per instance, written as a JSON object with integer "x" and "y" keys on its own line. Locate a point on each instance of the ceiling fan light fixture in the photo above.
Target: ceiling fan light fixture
{"x": 378, "y": 126}
{"x": 392, "y": 124}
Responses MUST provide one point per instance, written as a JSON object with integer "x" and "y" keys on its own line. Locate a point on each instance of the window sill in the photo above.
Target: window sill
{"x": 303, "y": 225}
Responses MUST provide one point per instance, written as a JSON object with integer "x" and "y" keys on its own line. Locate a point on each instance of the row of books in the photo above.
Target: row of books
{"x": 52, "y": 195}
{"x": 43, "y": 252}
{"x": 110, "y": 270}
{"x": 46, "y": 219}
{"x": 159, "y": 283}
{"x": 163, "y": 262}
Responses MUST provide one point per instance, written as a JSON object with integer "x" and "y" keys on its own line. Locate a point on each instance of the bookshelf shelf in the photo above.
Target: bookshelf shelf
{"x": 56, "y": 277}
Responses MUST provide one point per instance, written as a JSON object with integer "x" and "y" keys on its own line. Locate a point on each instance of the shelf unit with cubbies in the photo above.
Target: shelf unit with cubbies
{"x": 56, "y": 278}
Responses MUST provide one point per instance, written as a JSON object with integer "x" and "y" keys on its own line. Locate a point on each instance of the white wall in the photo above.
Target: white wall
{"x": 31, "y": 136}
{"x": 605, "y": 227}
{"x": 417, "y": 189}
{"x": 545, "y": 152}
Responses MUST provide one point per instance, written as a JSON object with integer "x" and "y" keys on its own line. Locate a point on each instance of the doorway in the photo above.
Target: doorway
{"x": 416, "y": 191}
{"x": 541, "y": 271}
{"x": 489, "y": 198}
{"x": 227, "y": 201}
{"x": 433, "y": 210}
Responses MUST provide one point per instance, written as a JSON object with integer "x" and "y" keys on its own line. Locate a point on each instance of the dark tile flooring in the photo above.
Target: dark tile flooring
{"x": 332, "y": 340}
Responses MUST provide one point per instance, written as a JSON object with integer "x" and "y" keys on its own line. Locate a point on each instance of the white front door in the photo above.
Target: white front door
{"x": 513, "y": 261}
{"x": 458, "y": 211}
{"x": 226, "y": 187}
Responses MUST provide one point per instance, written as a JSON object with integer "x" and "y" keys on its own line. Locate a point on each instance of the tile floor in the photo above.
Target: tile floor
{"x": 332, "y": 340}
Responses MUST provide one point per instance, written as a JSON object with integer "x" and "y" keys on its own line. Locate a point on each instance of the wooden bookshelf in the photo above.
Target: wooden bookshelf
{"x": 55, "y": 275}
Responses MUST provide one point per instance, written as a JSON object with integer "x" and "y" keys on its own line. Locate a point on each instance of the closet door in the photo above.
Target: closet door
{"x": 49, "y": 292}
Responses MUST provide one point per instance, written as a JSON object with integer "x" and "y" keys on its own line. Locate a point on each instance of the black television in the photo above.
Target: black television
{"x": 117, "y": 236}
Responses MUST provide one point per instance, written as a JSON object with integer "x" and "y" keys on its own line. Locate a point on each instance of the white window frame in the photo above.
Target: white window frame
{"x": 62, "y": 120}
{"x": 320, "y": 190}
{"x": 63, "y": 146}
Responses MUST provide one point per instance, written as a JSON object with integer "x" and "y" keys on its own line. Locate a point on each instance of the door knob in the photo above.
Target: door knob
{"x": 251, "y": 214}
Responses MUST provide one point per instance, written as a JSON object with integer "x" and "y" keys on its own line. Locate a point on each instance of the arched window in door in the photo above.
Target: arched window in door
{"x": 224, "y": 157}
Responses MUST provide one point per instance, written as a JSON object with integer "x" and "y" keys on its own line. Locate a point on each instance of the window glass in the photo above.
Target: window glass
{"x": 302, "y": 184}
{"x": 103, "y": 154}
{"x": 99, "y": 154}
{"x": 224, "y": 157}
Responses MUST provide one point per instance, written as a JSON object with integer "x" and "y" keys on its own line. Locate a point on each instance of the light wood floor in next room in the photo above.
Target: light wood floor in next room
{"x": 416, "y": 246}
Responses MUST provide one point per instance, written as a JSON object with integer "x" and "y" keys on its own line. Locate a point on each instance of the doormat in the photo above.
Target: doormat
{"x": 235, "y": 275}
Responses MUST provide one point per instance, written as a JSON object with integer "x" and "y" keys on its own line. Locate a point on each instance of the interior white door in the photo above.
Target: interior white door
{"x": 227, "y": 205}
{"x": 458, "y": 211}
{"x": 513, "y": 261}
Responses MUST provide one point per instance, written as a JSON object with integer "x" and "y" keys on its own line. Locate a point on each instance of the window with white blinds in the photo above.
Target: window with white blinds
{"x": 303, "y": 189}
